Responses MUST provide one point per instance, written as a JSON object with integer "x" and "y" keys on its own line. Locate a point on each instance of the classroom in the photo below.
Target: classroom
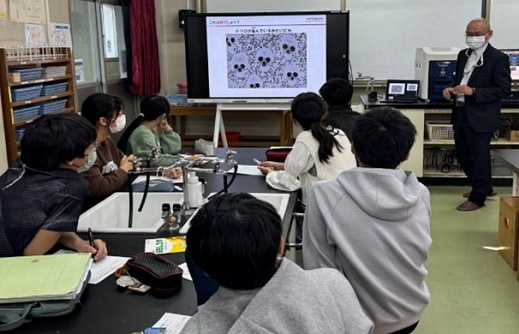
{"x": 139, "y": 59}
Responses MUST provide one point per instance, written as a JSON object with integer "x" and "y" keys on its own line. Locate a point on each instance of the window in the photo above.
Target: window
{"x": 84, "y": 41}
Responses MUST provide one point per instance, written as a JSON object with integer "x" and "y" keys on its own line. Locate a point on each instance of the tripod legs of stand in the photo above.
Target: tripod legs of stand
{"x": 219, "y": 128}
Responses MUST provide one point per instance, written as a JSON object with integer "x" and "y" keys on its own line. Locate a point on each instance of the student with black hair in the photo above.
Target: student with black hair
{"x": 42, "y": 192}
{"x": 141, "y": 136}
{"x": 373, "y": 224}
{"x": 109, "y": 171}
{"x": 337, "y": 93}
{"x": 319, "y": 152}
{"x": 239, "y": 243}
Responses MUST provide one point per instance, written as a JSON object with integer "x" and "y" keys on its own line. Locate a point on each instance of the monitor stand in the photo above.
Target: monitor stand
{"x": 219, "y": 127}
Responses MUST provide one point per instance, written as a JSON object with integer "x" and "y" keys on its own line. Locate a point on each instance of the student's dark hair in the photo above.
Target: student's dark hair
{"x": 151, "y": 107}
{"x": 54, "y": 139}
{"x": 382, "y": 137}
{"x": 99, "y": 105}
{"x": 308, "y": 110}
{"x": 119, "y": 104}
{"x": 337, "y": 92}
{"x": 234, "y": 238}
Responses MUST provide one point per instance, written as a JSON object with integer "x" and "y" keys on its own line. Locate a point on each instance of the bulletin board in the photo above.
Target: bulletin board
{"x": 30, "y": 23}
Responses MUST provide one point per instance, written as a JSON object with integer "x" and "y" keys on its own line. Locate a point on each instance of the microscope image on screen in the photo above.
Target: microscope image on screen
{"x": 397, "y": 88}
{"x": 270, "y": 60}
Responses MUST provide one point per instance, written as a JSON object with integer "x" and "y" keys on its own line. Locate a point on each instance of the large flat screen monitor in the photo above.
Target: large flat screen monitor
{"x": 263, "y": 57}
{"x": 513, "y": 56}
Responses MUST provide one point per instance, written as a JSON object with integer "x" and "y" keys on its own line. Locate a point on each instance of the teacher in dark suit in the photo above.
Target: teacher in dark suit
{"x": 482, "y": 80}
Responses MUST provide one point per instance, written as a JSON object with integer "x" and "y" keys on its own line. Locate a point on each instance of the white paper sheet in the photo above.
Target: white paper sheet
{"x": 186, "y": 274}
{"x": 142, "y": 178}
{"x": 172, "y": 322}
{"x": 103, "y": 268}
{"x": 247, "y": 170}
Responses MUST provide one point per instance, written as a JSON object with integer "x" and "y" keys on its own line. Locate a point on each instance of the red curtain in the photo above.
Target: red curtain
{"x": 145, "y": 74}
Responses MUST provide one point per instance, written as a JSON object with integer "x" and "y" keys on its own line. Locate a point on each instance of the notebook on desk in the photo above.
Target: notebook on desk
{"x": 43, "y": 277}
{"x": 401, "y": 91}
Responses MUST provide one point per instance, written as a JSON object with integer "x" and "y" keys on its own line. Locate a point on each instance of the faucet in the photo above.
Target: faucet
{"x": 188, "y": 164}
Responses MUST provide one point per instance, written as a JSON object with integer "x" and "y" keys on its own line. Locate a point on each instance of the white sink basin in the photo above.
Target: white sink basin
{"x": 278, "y": 200}
{"x": 111, "y": 215}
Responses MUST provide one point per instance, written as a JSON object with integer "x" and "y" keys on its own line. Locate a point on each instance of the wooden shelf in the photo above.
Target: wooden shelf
{"x": 456, "y": 174}
{"x": 499, "y": 142}
{"x": 38, "y": 62}
{"x": 41, "y": 99}
{"x": 44, "y": 80}
{"x": 30, "y": 120}
{"x": 6, "y": 66}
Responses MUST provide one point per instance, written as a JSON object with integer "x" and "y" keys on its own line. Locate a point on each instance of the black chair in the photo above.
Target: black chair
{"x": 297, "y": 217}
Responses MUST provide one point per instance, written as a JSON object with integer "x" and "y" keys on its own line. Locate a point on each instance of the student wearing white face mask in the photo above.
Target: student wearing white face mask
{"x": 107, "y": 171}
{"x": 482, "y": 81}
{"x": 42, "y": 193}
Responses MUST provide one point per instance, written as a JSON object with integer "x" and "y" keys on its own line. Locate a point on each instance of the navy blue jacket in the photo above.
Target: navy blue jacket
{"x": 492, "y": 81}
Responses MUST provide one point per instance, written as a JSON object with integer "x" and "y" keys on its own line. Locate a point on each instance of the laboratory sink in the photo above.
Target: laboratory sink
{"x": 278, "y": 200}
{"x": 111, "y": 215}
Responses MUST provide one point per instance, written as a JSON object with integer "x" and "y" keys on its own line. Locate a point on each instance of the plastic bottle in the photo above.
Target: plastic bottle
{"x": 194, "y": 190}
{"x": 177, "y": 212}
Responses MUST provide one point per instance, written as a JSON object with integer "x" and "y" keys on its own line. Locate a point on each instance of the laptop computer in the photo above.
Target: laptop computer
{"x": 402, "y": 91}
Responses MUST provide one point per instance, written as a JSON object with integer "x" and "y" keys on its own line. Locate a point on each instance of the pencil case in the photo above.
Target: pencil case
{"x": 163, "y": 276}
{"x": 277, "y": 154}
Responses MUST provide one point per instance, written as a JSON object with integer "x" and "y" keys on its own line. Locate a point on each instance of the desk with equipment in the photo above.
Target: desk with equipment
{"x": 105, "y": 309}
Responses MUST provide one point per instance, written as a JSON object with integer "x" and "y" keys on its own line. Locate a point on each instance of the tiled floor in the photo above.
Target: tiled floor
{"x": 473, "y": 290}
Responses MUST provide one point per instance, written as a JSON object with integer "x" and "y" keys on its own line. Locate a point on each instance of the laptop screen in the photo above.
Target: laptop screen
{"x": 402, "y": 89}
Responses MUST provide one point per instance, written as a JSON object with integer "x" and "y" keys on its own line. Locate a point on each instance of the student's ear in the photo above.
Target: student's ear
{"x": 103, "y": 121}
{"x": 281, "y": 246}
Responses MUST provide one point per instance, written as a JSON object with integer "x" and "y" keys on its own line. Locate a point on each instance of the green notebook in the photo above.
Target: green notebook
{"x": 42, "y": 277}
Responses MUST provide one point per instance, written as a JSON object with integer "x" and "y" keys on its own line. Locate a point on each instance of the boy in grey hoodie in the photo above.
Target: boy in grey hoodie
{"x": 372, "y": 224}
{"x": 261, "y": 292}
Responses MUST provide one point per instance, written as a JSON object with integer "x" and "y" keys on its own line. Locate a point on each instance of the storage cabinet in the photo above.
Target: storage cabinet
{"x": 438, "y": 144}
{"x": 433, "y": 152}
{"x": 33, "y": 82}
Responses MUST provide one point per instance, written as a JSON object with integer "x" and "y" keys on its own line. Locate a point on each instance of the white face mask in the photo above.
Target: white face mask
{"x": 475, "y": 42}
{"x": 92, "y": 157}
{"x": 120, "y": 123}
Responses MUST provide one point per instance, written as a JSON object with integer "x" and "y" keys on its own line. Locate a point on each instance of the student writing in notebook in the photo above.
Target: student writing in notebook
{"x": 42, "y": 193}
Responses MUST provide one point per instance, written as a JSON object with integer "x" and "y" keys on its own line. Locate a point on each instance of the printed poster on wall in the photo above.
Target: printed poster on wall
{"x": 35, "y": 35}
{"x": 3, "y": 10}
{"x": 59, "y": 35}
{"x": 79, "y": 70}
{"x": 27, "y": 11}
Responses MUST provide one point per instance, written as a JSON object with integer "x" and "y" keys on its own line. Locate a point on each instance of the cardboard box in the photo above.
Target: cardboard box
{"x": 508, "y": 230}
{"x": 512, "y": 135}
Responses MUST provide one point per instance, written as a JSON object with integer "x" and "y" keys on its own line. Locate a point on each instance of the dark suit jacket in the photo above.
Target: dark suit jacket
{"x": 492, "y": 82}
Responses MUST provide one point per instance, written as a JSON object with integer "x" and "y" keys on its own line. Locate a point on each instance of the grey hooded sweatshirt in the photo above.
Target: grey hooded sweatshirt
{"x": 372, "y": 224}
{"x": 293, "y": 301}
